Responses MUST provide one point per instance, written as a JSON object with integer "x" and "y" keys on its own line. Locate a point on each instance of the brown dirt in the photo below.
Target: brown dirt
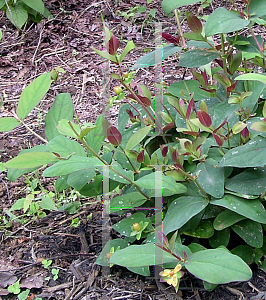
{"x": 66, "y": 42}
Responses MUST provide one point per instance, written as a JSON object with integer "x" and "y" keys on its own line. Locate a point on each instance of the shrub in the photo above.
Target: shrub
{"x": 199, "y": 148}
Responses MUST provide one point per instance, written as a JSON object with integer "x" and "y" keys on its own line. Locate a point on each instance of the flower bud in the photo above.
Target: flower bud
{"x": 164, "y": 150}
{"x": 118, "y": 90}
{"x": 114, "y": 136}
{"x": 140, "y": 157}
{"x": 136, "y": 227}
{"x": 112, "y": 45}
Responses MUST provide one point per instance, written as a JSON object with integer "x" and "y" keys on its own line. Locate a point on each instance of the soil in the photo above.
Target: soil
{"x": 66, "y": 42}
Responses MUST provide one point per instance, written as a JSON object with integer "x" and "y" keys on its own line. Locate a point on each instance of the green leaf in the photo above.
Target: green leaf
{"x": 8, "y": 124}
{"x": 62, "y": 108}
{"x": 218, "y": 266}
{"x": 181, "y": 210}
{"x": 144, "y": 271}
{"x": 101, "y": 260}
{"x": 17, "y": 14}
{"x": 96, "y": 137}
{"x": 130, "y": 46}
{"x": 65, "y": 147}
{"x": 137, "y": 137}
{"x": 31, "y": 160}
{"x": 257, "y": 8}
{"x": 244, "y": 252}
{"x": 33, "y": 94}
{"x": 61, "y": 183}
{"x": 64, "y": 128}
{"x": 250, "y": 182}
{"x": 259, "y": 126}
{"x": 79, "y": 178}
{"x": 224, "y": 21}
{"x": 90, "y": 189}
{"x": 47, "y": 203}
{"x": 114, "y": 176}
{"x": 226, "y": 219}
{"x": 14, "y": 174}
{"x": 220, "y": 238}
{"x": 251, "y": 232}
{"x": 2, "y": 3}
{"x": 184, "y": 88}
{"x": 252, "y": 76}
{"x": 35, "y": 4}
{"x": 211, "y": 178}
{"x": 141, "y": 255}
{"x": 251, "y": 209}
{"x": 203, "y": 231}
{"x": 127, "y": 201}
{"x": 158, "y": 54}
{"x": 157, "y": 180}
{"x": 104, "y": 54}
{"x": 169, "y": 5}
{"x": 197, "y": 58}
{"x": 74, "y": 163}
{"x": 252, "y": 154}
{"x": 124, "y": 226}
{"x": 251, "y": 101}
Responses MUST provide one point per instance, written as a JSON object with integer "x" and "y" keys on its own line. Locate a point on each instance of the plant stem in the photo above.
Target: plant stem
{"x": 228, "y": 135}
{"x": 180, "y": 28}
{"x": 33, "y": 132}
{"x": 85, "y": 144}
{"x": 128, "y": 159}
{"x": 223, "y": 53}
{"x": 193, "y": 179}
{"x": 143, "y": 106}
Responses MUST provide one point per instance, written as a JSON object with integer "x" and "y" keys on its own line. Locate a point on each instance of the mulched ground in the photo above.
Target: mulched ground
{"x": 66, "y": 42}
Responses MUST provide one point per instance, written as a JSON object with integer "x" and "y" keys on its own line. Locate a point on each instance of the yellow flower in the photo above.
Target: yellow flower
{"x": 172, "y": 276}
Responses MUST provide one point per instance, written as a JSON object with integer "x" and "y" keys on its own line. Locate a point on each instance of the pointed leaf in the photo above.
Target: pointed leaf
{"x": 127, "y": 201}
{"x": 252, "y": 154}
{"x": 130, "y": 46}
{"x": 33, "y": 94}
{"x": 249, "y": 182}
{"x": 251, "y": 209}
{"x": 169, "y": 5}
{"x": 197, "y": 58}
{"x": 158, "y": 180}
{"x": 226, "y": 219}
{"x": 74, "y": 163}
{"x": 181, "y": 210}
{"x": 137, "y": 137}
{"x": 252, "y": 76}
{"x": 160, "y": 54}
{"x": 228, "y": 22}
{"x": 250, "y": 231}
{"x": 218, "y": 266}
{"x": 62, "y": 108}
{"x": 31, "y": 160}
{"x": 65, "y": 147}
{"x": 141, "y": 255}
{"x": 36, "y": 5}
{"x": 64, "y": 128}
{"x": 8, "y": 124}
{"x": 211, "y": 178}
{"x": 79, "y": 178}
{"x": 17, "y": 14}
{"x": 257, "y": 8}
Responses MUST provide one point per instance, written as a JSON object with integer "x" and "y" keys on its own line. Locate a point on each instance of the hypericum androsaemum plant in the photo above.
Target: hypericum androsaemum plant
{"x": 204, "y": 150}
{"x": 18, "y": 11}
